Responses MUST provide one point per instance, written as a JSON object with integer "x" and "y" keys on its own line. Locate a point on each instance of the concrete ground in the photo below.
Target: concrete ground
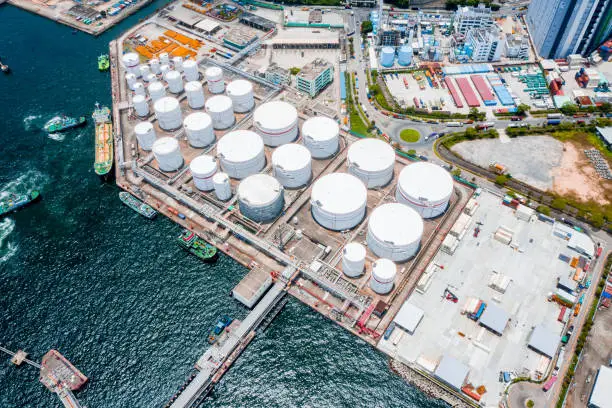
{"x": 529, "y": 159}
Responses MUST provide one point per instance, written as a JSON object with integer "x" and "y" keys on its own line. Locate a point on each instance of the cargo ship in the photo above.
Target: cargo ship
{"x": 13, "y": 202}
{"x": 195, "y": 245}
{"x": 104, "y": 140}
{"x": 59, "y": 123}
{"x": 137, "y": 205}
{"x": 103, "y": 62}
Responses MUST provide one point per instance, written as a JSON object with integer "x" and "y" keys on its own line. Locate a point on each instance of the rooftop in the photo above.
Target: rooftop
{"x": 601, "y": 395}
{"x": 495, "y": 318}
{"x": 409, "y": 317}
{"x": 452, "y": 371}
{"x": 185, "y": 16}
{"x": 257, "y": 20}
{"x": 544, "y": 341}
{"x": 606, "y": 133}
{"x": 207, "y": 25}
{"x": 313, "y": 69}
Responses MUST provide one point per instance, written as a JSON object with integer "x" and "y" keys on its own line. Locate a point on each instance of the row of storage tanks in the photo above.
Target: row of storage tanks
{"x": 404, "y": 56}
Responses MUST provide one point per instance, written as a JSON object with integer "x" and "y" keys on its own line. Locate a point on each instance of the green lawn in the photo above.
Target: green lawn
{"x": 410, "y": 135}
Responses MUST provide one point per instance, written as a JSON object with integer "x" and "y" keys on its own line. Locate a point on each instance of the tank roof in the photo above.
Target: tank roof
{"x": 259, "y": 189}
{"x": 354, "y": 251}
{"x": 143, "y": 127}
{"x": 275, "y": 115}
{"x": 166, "y": 104}
{"x": 218, "y": 103}
{"x": 193, "y": 86}
{"x": 239, "y": 87}
{"x": 396, "y": 223}
{"x": 371, "y": 155}
{"x": 203, "y": 164}
{"x": 320, "y": 128}
{"x": 426, "y": 180}
{"x": 165, "y": 145}
{"x": 240, "y": 145}
{"x": 384, "y": 269}
{"x": 339, "y": 193}
{"x": 291, "y": 156}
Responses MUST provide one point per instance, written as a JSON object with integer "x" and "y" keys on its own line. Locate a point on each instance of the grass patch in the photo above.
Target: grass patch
{"x": 410, "y": 135}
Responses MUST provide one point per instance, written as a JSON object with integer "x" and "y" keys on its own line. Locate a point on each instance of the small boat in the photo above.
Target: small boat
{"x": 13, "y": 202}
{"x": 195, "y": 245}
{"x": 135, "y": 204}
{"x": 59, "y": 123}
{"x": 222, "y": 323}
{"x": 4, "y": 68}
{"x": 104, "y": 140}
{"x": 103, "y": 62}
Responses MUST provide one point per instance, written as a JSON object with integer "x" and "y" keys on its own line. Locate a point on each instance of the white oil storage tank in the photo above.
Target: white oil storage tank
{"x": 175, "y": 81}
{"x": 145, "y": 134}
{"x": 241, "y": 153}
{"x": 383, "y": 276}
{"x": 155, "y": 66}
{"x": 214, "y": 78}
{"x": 199, "y": 130}
{"x": 223, "y": 188}
{"x": 139, "y": 88}
{"x": 353, "y": 259}
{"x": 426, "y": 187}
{"x": 195, "y": 94}
{"x": 144, "y": 70}
{"x": 338, "y": 201}
{"x": 150, "y": 77}
{"x": 131, "y": 80}
{"x": 291, "y": 165}
{"x": 168, "y": 154}
{"x": 203, "y": 168}
{"x": 260, "y": 197}
{"x": 168, "y": 113}
{"x": 190, "y": 69}
{"x": 157, "y": 90}
{"x": 141, "y": 106}
{"x": 130, "y": 61}
{"x": 177, "y": 62}
{"x": 394, "y": 232}
{"x": 219, "y": 107}
{"x": 164, "y": 69}
{"x": 321, "y": 136}
{"x": 164, "y": 58}
{"x": 372, "y": 160}
{"x": 387, "y": 57}
{"x": 241, "y": 93}
{"x": 404, "y": 55}
{"x": 276, "y": 122}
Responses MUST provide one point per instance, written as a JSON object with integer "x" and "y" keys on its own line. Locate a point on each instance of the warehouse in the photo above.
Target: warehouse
{"x": 208, "y": 26}
{"x": 495, "y": 319}
{"x": 601, "y": 394}
{"x": 257, "y": 22}
{"x": 543, "y": 341}
{"x": 184, "y": 17}
{"x": 452, "y": 371}
{"x": 409, "y": 317}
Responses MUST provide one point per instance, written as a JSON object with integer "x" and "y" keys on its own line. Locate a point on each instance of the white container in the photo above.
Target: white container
{"x": 150, "y": 77}
{"x": 260, "y": 197}
{"x": 426, "y": 187}
{"x": 241, "y": 93}
{"x": 338, "y": 201}
{"x": 164, "y": 69}
{"x": 157, "y": 90}
{"x": 220, "y": 109}
{"x": 372, "y": 160}
{"x": 175, "y": 81}
{"x": 139, "y": 89}
{"x": 145, "y": 134}
{"x": 321, "y": 136}
{"x": 168, "y": 113}
{"x": 199, "y": 130}
{"x": 276, "y": 122}
{"x": 203, "y": 168}
{"x": 155, "y": 66}
{"x": 383, "y": 276}
{"x": 131, "y": 80}
{"x": 195, "y": 94}
{"x": 223, "y": 188}
{"x": 214, "y": 78}
{"x": 291, "y": 165}
{"x": 168, "y": 154}
{"x": 130, "y": 61}
{"x": 190, "y": 69}
{"x": 353, "y": 259}
{"x": 394, "y": 232}
{"x": 141, "y": 105}
{"x": 177, "y": 62}
{"x": 241, "y": 153}
{"x": 144, "y": 70}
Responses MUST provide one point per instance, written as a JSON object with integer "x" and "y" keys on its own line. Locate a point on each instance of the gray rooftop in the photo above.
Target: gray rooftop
{"x": 409, "y": 317}
{"x": 452, "y": 371}
{"x": 494, "y": 318}
{"x": 567, "y": 282}
{"x": 544, "y": 341}
{"x": 606, "y": 133}
{"x": 312, "y": 70}
{"x": 185, "y": 16}
{"x": 601, "y": 395}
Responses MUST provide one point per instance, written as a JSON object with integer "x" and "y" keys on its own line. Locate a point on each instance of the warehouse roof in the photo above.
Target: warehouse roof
{"x": 185, "y": 16}
{"x": 494, "y": 318}
{"x": 452, "y": 371}
{"x": 208, "y": 25}
{"x": 544, "y": 341}
{"x": 568, "y": 283}
{"x": 582, "y": 243}
{"x": 409, "y": 317}
{"x": 606, "y": 134}
{"x": 601, "y": 395}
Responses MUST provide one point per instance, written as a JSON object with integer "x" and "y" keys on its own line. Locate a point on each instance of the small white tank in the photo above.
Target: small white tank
{"x": 178, "y": 63}
{"x": 195, "y": 94}
{"x": 276, "y": 122}
{"x": 168, "y": 154}
{"x": 168, "y": 113}
{"x": 241, "y": 93}
{"x": 383, "y": 276}
{"x": 190, "y": 69}
{"x": 199, "y": 130}
{"x": 157, "y": 90}
{"x": 321, "y": 136}
{"x": 131, "y": 80}
{"x": 241, "y": 153}
{"x": 145, "y": 134}
{"x": 139, "y": 89}
{"x": 155, "y": 66}
{"x": 260, "y": 197}
{"x": 291, "y": 165}
{"x": 223, "y": 189}
{"x": 353, "y": 259}
{"x": 144, "y": 70}
{"x": 214, "y": 77}
{"x": 130, "y": 61}
{"x": 164, "y": 69}
{"x": 164, "y": 58}
{"x": 150, "y": 77}
{"x": 175, "y": 81}
{"x": 372, "y": 160}
{"x": 219, "y": 107}
{"x": 203, "y": 168}
{"x": 141, "y": 106}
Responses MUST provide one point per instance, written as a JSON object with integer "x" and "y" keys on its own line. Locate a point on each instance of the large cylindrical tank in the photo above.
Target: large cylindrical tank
{"x": 394, "y": 232}
{"x": 214, "y": 78}
{"x": 321, "y": 136}
{"x": 145, "y": 134}
{"x": 383, "y": 276}
{"x": 144, "y": 70}
{"x": 353, "y": 259}
{"x": 241, "y": 153}
{"x": 219, "y": 107}
{"x": 404, "y": 55}
{"x": 141, "y": 106}
{"x": 426, "y": 187}
{"x": 190, "y": 69}
{"x": 387, "y": 57}
{"x": 338, "y": 201}
{"x": 155, "y": 66}
{"x": 260, "y": 197}
{"x": 139, "y": 88}
{"x": 195, "y": 94}
{"x": 150, "y": 77}
{"x": 276, "y": 122}
{"x": 223, "y": 188}
{"x": 177, "y": 62}
{"x": 291, "y": 165}
{"x": 164, "y": 69}
{"x": 175, "y": 81}
{"x": 164, "y": 58}
{"x": 131, "y": 80}
{"x": 157, "y": 90}
{"x": 241, "y": 93}
{"x": 203, "y": 168}
{"x": 130, "y": 61}
{"x": 372, "y": 160}
{"x": 199, "y": 130}
{"x": 168, "y": 113}
{"x": 168, "y": 154}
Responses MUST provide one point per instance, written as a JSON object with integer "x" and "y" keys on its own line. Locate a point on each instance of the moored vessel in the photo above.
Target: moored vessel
{"x": 135, "y": 204}
{"x": 103, "y": 62}
{"x": 195, "y": 245}
{"x": 104, "y": 140}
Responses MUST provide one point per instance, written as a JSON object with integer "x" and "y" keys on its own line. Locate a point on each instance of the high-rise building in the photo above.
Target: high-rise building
{"x": 563, "y": 27}
{"x": 467, "y": 18}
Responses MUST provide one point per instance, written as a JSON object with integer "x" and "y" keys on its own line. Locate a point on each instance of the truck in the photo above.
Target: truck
{"x": 553, "y": 122}
{"x": 484, "y": 125}
{"x": 568, "y": 334}
{"x": 497, "y": 168}
{"x": 454, "y": 124}
{"x": 554, "y": 116}
{"x": 548, "y": 385}
{"x": 356, "y": 83}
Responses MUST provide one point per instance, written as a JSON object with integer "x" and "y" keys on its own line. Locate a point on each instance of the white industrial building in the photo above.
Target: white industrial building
{"x": 601, "y": 394}
{"x": 494, "y": 318}
{"x": 544, "y": 341}
{"x": 467, "y": 18}
{"x": 409, "y": 317}
{"x": 452, "y": 371}
{"x": 486, "y": 43}
{"x": 516, "y": 46}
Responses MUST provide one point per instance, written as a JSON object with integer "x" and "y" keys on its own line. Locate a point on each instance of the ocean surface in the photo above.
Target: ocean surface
{"x": 109, "y": 289}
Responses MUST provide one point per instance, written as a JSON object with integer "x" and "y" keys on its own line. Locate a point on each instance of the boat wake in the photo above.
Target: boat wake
{"x": 30, "y": 122}
{"x": 58, "y": 136}
{"x": 28, "y": 181}
{"x": 7, "y": 249}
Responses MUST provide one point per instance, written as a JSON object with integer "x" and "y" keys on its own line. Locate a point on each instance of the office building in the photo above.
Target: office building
{"x": 314, "y": 77}
{"x": 278, "y": 75}
{"x": 467, "y": 18}
{"x": 516, "y": 46}
{"x": 485, "y": 44}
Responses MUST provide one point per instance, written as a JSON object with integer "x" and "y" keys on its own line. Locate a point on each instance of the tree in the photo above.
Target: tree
{"x": 456, "y": 172}
{"x": 569, "y": 109}
{"x": 606, "y": 107}
{"x": 471, "y": 133}
{"x": 474, "y": 114}
{"x": 558, "y": 204}
{"x": 522, "y": 109}
{"x": 543, "y": 209}
{"x": 501, "y": 180}
{"x": 294, "y": 70}
{"x": 366, "y": 27}
{"x": 597, "y": 219}
{"x": 530, "y": 403}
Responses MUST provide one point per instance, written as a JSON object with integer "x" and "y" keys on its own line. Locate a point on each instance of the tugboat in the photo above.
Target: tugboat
{"x": 103, "y": 62}
{"x": 13, "y": 202}
{"x": 218, "y": 328}
{"x": 137, "y": 205}
{"x": 104, "y": 140}
{"x": 195, "y": 245}
{"x": 59, "y": 123}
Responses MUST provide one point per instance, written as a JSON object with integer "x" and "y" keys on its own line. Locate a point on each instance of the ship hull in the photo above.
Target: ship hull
{"x": 104, "y": 149}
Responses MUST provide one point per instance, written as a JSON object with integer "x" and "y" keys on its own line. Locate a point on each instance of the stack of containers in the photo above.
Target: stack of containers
{"x": 503, "y": 234}
{"x": 500, "y": 90}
